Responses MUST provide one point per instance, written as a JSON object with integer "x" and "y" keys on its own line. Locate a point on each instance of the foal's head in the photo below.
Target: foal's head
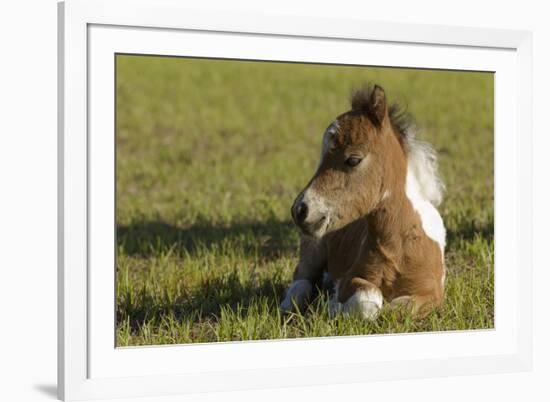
{"x": 362, "y": 163}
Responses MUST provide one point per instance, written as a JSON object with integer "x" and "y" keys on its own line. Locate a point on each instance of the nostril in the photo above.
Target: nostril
{"x": 301, "y": 212}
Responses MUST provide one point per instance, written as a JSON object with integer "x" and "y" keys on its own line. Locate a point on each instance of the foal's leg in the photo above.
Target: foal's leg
{"x": 308, "y": 271}
{"x": 419, "y": 296}
{"x": 419, "y": 306}
{"x": 357, "y": 296}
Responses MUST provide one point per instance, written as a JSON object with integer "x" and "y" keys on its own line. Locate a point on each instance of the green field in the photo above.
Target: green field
{"x": 210, "y": 155}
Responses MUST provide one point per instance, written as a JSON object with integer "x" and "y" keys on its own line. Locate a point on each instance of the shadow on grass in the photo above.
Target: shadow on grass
{"x": 203, "y": 303}
{"x": 269, "y": 239}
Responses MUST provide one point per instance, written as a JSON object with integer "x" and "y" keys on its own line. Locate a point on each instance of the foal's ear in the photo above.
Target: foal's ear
{"x": 378, "y": 104}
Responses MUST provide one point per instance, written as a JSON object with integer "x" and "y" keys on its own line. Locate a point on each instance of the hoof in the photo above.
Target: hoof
{"x": 365, "y": 304}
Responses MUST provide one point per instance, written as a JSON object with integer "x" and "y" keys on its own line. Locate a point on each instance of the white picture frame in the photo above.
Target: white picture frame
{"x": 91, "y": 32}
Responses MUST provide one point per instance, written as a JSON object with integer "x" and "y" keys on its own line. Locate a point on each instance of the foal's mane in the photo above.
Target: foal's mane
{"x": 422, "y": 158}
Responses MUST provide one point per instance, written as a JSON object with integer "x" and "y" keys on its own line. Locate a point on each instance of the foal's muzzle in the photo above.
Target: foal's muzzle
{"x": 308, "y": 216}
{"x": 299, "y": 212}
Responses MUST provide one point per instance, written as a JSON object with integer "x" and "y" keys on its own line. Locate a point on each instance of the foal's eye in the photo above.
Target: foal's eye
{"x": 353, "y": 161}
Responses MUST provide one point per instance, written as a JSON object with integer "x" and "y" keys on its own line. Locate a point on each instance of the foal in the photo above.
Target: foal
{"x": 367, "y": 216}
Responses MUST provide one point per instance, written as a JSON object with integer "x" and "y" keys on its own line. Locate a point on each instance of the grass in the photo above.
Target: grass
{"x": 210, "y": 155}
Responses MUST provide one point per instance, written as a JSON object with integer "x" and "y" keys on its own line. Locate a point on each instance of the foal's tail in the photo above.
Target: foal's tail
{"x": 422, "y": 160}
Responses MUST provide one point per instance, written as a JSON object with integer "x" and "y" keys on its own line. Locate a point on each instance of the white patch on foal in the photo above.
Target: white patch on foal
{"x": 298, "y": 293}
{"x": 432, "y": 223}
{"x": 315, "y": 202}
{"x": 364, "y": 304}
{"x": 425, "y": 189}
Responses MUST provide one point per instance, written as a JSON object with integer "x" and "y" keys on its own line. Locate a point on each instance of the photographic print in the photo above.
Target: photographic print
{"x": 262, "y": 200}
